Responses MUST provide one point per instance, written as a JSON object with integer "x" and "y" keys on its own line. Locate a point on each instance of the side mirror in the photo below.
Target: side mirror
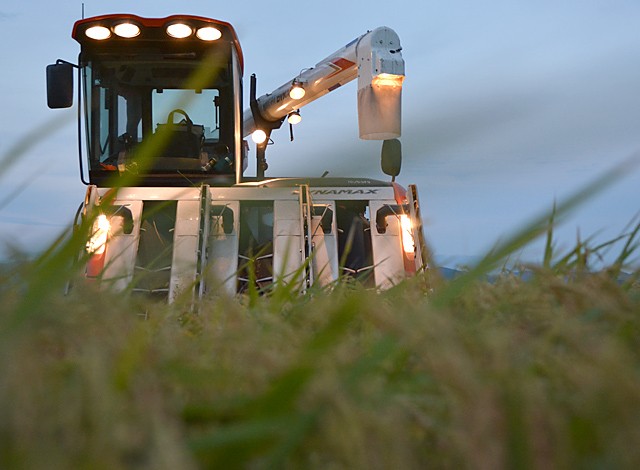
{"x": 60, "y": 85}
{"x": 391, "y": 159}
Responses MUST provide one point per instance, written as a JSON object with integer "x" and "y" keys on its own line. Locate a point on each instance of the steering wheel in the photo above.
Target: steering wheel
{"x": 178, "y": 111}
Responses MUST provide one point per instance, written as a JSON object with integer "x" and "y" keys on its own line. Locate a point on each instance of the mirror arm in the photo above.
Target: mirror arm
{"x": 79, "y": 130}
{"x": 61, "y": 61}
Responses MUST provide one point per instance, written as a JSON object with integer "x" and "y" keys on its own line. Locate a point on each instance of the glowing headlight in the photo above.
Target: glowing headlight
{"x": 297, "y": 91}
{"x": 408, "y": 244}
{"x": 126, "y": 30}
{"x": 259, "y": 136}
{"x": 208, "y": 33}
{"x": 179, "y": 30}
{"x": 98, "y": 33}
{"x": 98, "y": 240}
{"x": 294, "y": 117}
{"x": 388, "y": 79}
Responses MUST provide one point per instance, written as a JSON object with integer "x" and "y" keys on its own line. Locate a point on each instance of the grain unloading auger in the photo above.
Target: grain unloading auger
{"x": 173, "y": 212}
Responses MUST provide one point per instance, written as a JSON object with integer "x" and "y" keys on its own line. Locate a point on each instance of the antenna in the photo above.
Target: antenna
{"x": 83, "y": 10}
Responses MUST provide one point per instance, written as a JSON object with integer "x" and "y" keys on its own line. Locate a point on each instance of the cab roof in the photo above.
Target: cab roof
{"x": 153, "y": 29}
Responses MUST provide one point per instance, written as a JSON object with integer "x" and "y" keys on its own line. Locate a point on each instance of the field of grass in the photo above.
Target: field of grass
{"x": 542, "y": 373}
{"x": 430, "y": 374}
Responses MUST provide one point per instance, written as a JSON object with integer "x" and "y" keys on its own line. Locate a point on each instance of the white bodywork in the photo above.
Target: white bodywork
{"x": 206, "y": 257}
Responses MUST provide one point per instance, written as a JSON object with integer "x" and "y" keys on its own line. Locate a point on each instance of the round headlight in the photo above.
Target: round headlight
{"x": 297, "y": 91}
{"x": 294, "y": 117}
{"x": 259, "y": 136}
{"x": 126, "y": 30}
{"x": 179, "y": 30}
{"x": 98, "y": 33}
{"x": 209, "y": 33}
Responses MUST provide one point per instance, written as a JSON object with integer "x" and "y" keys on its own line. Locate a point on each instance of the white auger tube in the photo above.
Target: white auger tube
{"x": 375, "y": 58}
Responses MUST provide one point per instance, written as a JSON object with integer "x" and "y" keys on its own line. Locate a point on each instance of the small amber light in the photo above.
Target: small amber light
{"x": 408, "y": 244}
{"x": 388, "y": 79}
{"x": 98, "y": 240}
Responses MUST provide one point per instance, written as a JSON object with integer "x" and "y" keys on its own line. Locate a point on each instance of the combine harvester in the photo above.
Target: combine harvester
{"x": 160, "y": 102}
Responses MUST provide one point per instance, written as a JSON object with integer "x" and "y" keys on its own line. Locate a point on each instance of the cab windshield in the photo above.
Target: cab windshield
{"x": 185, "y": 112}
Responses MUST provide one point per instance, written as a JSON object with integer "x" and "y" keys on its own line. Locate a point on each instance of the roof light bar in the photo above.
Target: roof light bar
{"x": 126, "y": 28}
{"x": 179, "y": 30}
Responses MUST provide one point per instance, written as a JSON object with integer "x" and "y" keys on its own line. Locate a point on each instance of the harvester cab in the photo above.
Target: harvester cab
{"x": 173, "y": 212}
{"x": 162, "y": 99}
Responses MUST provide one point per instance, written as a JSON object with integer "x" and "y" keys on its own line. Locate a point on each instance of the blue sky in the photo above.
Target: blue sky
{"x": 507, "y": 105}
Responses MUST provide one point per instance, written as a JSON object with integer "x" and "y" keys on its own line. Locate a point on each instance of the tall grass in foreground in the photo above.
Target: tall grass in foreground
{"x": 536, "y": 374}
